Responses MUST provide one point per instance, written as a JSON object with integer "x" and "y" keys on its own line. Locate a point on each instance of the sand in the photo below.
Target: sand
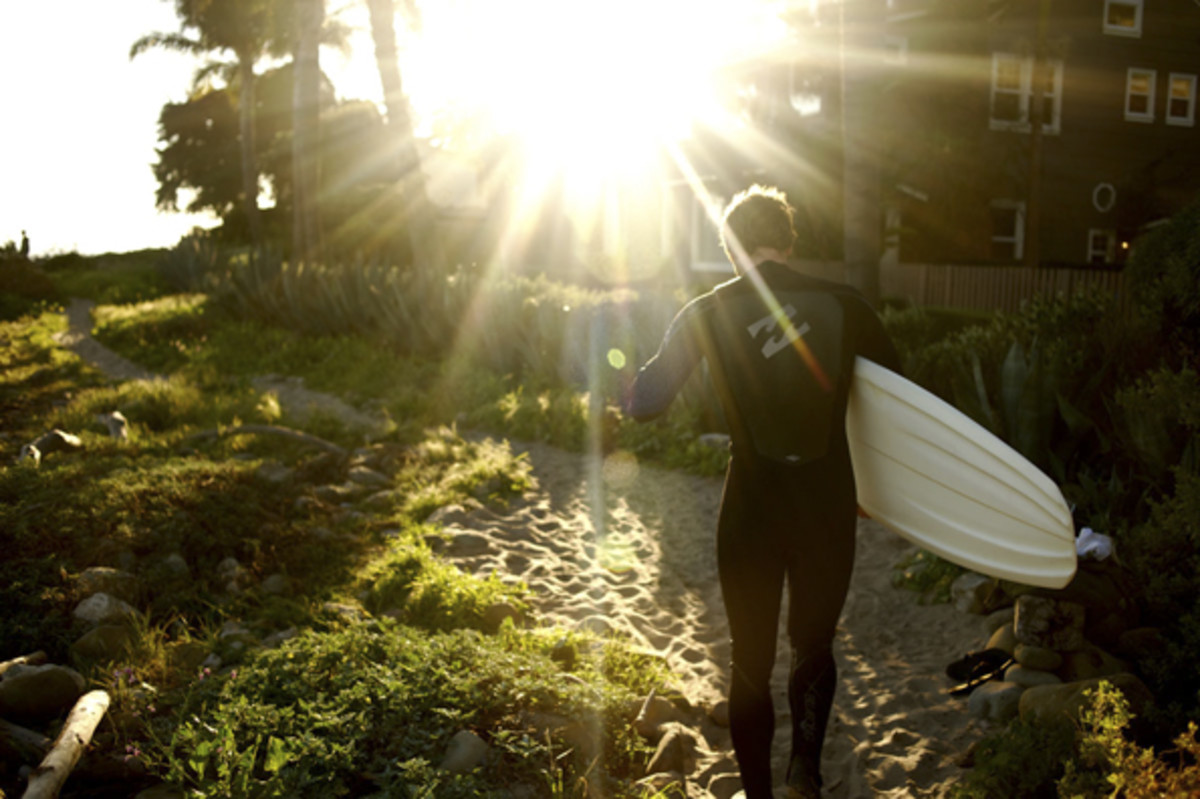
{"x": 609, "y": 544}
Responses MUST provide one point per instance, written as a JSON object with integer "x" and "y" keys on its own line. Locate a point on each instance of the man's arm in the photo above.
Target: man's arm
{"x": 663, "y": 376}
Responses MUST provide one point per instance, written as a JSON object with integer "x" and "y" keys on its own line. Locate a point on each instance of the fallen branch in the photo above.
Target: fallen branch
{"x": 32, "y": 659}
{"x": 20, "y": 745}
{"x": 48, "y": 778}
{"x": 286, "y": 432}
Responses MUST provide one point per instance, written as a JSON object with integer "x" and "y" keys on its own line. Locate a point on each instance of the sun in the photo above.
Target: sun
{"x": 585, "y": 86}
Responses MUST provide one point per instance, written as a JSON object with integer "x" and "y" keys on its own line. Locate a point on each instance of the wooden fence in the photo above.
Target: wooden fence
{"x": 986, "y": 288}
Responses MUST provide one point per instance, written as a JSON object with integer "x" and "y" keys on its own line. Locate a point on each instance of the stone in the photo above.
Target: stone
{"x": 368, "y": 477}
{"x": 186, "y": 657}
{"x": 348, "y": 613}
{"x": 719, "y": 713}
{"x": 468, "y": 545}
{"x": 275, "y": 473}
{"x": 102, "y": 609}
{"x": 995, "y": 701}
{"x": 106, "y": 580}
{"x": 106, "y": 642}
{"x": 674, "y": 749}
{"x": 496, "y": 614}
{"x": 654, "y": 713}
{"x": 1037, "y": 657}
{"x": 1089, "y": 663}
{"x": 456, "y": 514}
{"x": 37, "y": 694}
{"x": 997, "y": 619}
{"x": 465, "y": 752}
{"x": 1049, "y": 703}
{"x": 1049, "y": 623}
{"x": 970, "y": 592}
{"x": 175, "y": 565}
{"x": 276, "y": 584}
{"x": 229, "y": 570}
{"x": 276, "y": 639}
{"x": 384, "y": 500}
{"x": 1003, "y": 638}
{"x": 715, "y": 441}
{"x": 1027, "y": 677}
{"x": 724, "y": 786}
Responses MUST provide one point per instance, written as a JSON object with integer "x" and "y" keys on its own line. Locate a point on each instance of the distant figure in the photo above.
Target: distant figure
{"x": 24, "y": 246}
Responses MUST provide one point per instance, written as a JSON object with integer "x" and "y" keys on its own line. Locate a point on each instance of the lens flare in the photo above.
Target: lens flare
{"x": 616, "y": 358}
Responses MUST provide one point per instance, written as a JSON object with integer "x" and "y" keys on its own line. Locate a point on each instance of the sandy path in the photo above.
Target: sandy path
{"x": 615, "y": 545}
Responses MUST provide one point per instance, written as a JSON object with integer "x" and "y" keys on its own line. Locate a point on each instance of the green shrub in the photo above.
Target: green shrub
{"x": 1024, "y": 759}
{"x": 1164, "y": 278}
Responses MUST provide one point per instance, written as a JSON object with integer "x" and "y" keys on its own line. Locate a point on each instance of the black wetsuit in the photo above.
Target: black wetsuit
{"x": 781, "y": 352}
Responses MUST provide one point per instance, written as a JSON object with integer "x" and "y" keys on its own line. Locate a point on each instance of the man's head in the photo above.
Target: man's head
{"x": 758, "y": 218}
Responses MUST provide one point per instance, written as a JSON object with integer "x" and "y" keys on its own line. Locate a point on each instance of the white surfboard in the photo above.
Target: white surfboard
{"x": 929, "y": 473}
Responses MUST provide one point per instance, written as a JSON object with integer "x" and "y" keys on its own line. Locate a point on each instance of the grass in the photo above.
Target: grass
{"x": 352, "y": 708}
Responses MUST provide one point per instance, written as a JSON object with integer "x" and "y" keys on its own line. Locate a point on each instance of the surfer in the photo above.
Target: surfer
{"x": 780, "y": 347}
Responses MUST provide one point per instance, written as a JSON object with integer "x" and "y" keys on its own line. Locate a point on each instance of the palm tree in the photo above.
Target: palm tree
{"x": 243, "y": 27}
{"x": 421, "y": 220}
{"x": 310, "y": 15}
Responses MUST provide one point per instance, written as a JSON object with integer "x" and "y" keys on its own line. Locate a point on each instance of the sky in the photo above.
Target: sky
{"x": 80, "y": 124}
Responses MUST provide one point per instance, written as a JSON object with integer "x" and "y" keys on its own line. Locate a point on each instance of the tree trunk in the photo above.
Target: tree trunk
{"x": 246, "y": 113}
{"x": 422, "y": 218}
{"x": 48, "y": 778}
{"x": 862, "y": 217}
{"x": 35, "y": 659}
{"x": 306, "y": 238}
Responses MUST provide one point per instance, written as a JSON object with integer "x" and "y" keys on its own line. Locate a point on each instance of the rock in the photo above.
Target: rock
{"x": 105, "y": 580}
{"x": 495, "y": 615}
{"x": 368, "y": 477}
{"x": 1089, "y": 663}
{"x": 38, "y": 694}
{"x": 1047, "y": 703}
{"x": 456, "y": 514}
{"x": 384, "y": 500}
{"x": 1049, "y": 623}
{"x": 674, "y": 749}
{"x": 995, "y": 701}
{"x": 1027, "y": 677}
{"x": 997, "y": 619}
{"x": 719, "y": 713}
{"x": 465, "y": 752}
{"x": 175, "y": 565}
{"x": 468, "y": 545}
{"x": 1037, "y": 657}
{"x": 229, "y": 570}
{"x": 654, "y": 713}
{"x": 1003, "y": 638}
{"x": 715, "y": 441}
{"x": 106, "y": 642}
{"x": 337, "y": 494}
{"x": 186, "y": 657}
{"x": 58, "y": 441}
{"x": 275, "y": 473}
{"x": 724, "y": 786}
{"x": 347, "y": 613}
{"x": 276, "y": 584}
{"x": 600, "y": 626}
{"x": 102, "y": 609}
{"x": 565, "y": 654}
{"x": 970, "y": 592}
{"x": 276, "y": 639}
{"x": 117, "y": 424}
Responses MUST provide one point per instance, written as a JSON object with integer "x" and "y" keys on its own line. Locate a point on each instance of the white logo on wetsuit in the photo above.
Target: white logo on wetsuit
{"x": 778, "y": 344}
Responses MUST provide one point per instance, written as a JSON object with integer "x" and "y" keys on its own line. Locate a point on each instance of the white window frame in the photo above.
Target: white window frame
{"x": 1024, "y": 92}
{"x": 1107, "y": 254}
{"x": 684, "y": 207}
{"x": 1121, "y": 30}
{"x": 806, "y": 100}
{"x": 1017, "y": 239}
{"x": 1152, "y": 76}
{"x": 1188, "y": 120}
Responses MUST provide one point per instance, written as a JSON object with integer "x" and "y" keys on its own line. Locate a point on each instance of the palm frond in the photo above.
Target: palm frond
{"x": 175, "y": 42}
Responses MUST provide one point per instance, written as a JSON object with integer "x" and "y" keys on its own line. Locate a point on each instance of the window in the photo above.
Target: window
{"x": 1008, "y": 230}
{"x": 1123, "y": 17}
{"x": 1012, "y": 91}
{"x": 1181, "y": 100}
{"x": 1139, "y": 95}
{"x": 686, "y": 226}
{"x": 805, "y": 87}
{"x": 1102, "y": 246}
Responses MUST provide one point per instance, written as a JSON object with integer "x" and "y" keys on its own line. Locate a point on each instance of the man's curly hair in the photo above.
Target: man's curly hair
{"x": 760, "y": 216}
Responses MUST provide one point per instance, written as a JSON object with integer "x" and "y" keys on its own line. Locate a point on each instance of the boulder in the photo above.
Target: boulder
{"x": 465, "y": 752}
{"x": 105, "y": 580}
{"x": 495, "y": 615}
{"x": 1049, "y": 623}
{"x": 997, "y": 619}
{"x": 365, "y": 476}
{"x": 1047, "y": 703}
{"x": 37, "y": 694}
{"x": 970, "y": 592}
{"x": 1027, "y": 677}
{"x": 276, "y": 584}
{"x": 995, "y": 701}
{"x": 103, "y": 609}
{"x": 654, "y": 713}
{"x": 1003, "y": 638}
{"x": 106, "y": 642}
{"x": 1089, "y": 663}
{"x": 1037, "y": 657}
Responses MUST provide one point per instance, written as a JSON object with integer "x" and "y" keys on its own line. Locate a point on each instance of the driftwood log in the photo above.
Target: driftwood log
{"x": 47, "y": 779}
{"x": 34, "y": 659}
{"x": 270, "y": 429}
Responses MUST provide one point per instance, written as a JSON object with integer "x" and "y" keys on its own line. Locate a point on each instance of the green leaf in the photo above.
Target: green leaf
{"x": 278, "y": 754}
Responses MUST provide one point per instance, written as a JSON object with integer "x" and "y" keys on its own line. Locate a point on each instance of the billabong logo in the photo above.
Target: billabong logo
{"x": 782, "y": 317}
